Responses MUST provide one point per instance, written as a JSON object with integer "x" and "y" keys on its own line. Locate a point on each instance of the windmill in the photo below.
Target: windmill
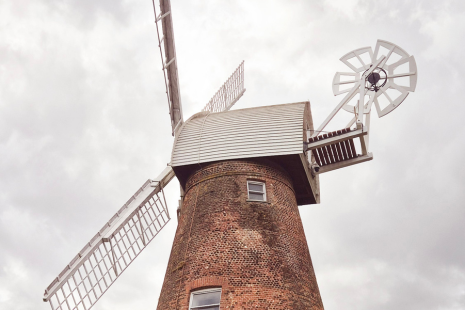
{"x": 243, "y": 173}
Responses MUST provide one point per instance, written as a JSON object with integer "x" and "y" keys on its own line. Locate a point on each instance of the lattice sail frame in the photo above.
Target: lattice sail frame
{"x": 228, "y": 94}
{"x": 167, "y": 49}
{"x": 97, "y": 266}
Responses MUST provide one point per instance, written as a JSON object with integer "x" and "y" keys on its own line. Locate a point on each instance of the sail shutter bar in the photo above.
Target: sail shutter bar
{"x": 231, "y": 91}
{"x": 168, "y": 59}
{"x": 161, "y": 16}
{"x": 112, "y": 249}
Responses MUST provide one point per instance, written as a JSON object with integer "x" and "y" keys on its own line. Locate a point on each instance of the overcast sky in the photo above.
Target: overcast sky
{"x": 84, "y": 123}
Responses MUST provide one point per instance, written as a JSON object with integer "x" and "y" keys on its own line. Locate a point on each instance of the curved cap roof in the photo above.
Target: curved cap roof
{"x": 247, "y": 133}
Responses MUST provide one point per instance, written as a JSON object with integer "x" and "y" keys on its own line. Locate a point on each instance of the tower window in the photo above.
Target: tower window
{"x": 208, "y": 299}
{"x": 256, "y": 190}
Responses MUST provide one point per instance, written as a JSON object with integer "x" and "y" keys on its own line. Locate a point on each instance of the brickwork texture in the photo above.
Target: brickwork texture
{"x": 255, "y": 251}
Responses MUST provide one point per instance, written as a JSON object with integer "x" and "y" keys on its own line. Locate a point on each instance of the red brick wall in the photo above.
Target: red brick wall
{"x": 255, "y": 251}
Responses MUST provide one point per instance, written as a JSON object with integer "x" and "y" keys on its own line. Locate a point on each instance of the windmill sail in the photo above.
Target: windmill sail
{"x": 168, "y": 58}
{"x": 231, "y": 91}
{"x": 372, "y": 77}
{"x": 96, "y": 267}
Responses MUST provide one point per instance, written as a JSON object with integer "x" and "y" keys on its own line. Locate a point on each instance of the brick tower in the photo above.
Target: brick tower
{"x": 240, "y": 242}
{"x": 254, "y": 251}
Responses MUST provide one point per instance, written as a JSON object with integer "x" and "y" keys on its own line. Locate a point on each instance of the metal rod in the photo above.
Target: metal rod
{"x": 400, "y": 75}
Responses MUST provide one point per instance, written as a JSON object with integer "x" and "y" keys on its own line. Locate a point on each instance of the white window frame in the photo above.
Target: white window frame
{"x": 256, "y": 192}
{"x": 199, "y": 292}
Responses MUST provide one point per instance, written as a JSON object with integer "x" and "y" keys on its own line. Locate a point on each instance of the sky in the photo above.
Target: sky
{"x": 84, "y": 123}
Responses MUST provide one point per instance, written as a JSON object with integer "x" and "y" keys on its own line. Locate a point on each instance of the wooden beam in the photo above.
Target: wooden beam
{"x": 346, "y": 163}
{"x": 313, "y": 180}
{"x": 328, "y": 141}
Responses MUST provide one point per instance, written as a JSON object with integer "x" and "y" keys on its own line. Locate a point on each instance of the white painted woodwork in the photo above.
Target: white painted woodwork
{"x": 356, "y": 54}
{"x": 168, "y": 58}
{"x": 381, "y": 61}
{"x": 346, "y": 136}
{"x": 246, "y": 133}
{"x": 229, "y": 93}
{"x": 354, "y": 78}
{"x": 358, "y": 82}
{"x": 345, "y": 163}
{"x": 102, "y": 260}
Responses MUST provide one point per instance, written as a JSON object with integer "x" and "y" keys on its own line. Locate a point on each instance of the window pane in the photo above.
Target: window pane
{"x": 256, "y": 187}
{"x": 204, "y": 299}
{"x": 256, "y": 196}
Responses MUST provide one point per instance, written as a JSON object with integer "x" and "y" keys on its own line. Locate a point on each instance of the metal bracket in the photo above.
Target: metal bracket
{"x": 169, "y": 63}
{"x": 160, "y": 17}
